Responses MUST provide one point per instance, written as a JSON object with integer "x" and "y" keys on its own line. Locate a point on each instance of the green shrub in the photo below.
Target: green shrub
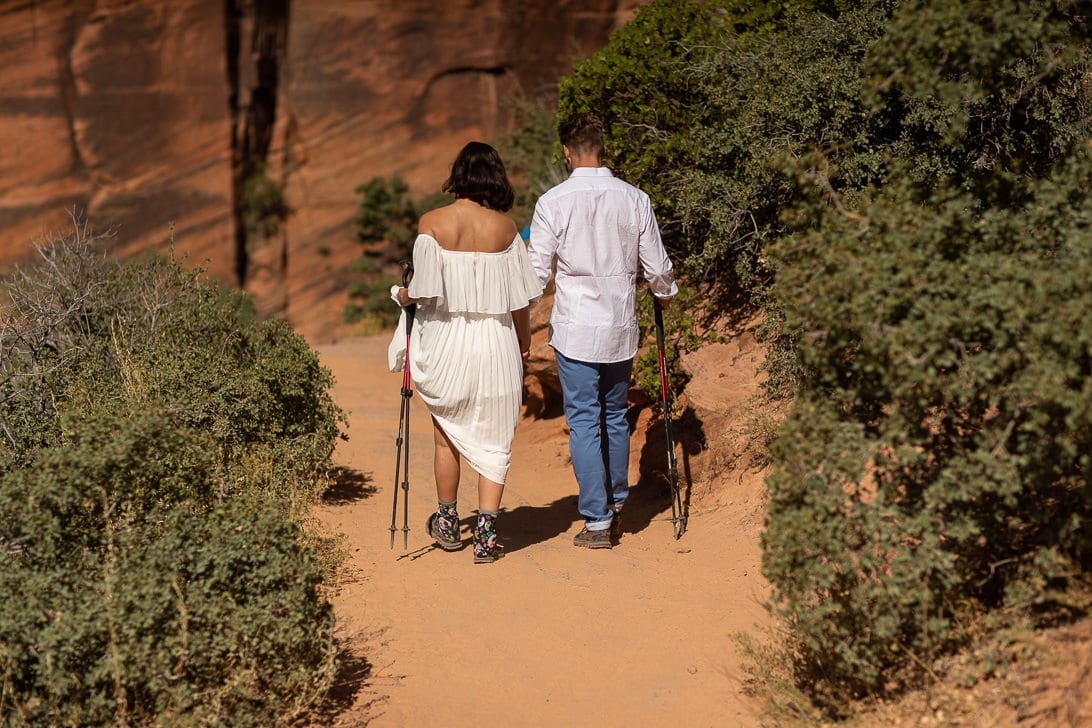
{"x": 935, "y": 465}
{"x": 163, "y": 446}
{"x": 266, "y": 208}
{"x": 771, "y": 96}
{"x": 385, "y": 211}
{"x": 937, "y": 321}
{"x": 532, "y": 154}
{"x": 386, "y": 223}
{"x": 187, "y": 619}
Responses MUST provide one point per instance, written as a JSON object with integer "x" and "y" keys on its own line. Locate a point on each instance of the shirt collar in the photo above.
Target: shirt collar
{"x": 591, "y": 172}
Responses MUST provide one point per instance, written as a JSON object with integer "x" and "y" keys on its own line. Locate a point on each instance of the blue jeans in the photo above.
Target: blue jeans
{"x": 596, "y": 403}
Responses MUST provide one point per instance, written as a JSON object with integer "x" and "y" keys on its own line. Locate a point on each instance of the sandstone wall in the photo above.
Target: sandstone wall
{"x": 149, "y": 116}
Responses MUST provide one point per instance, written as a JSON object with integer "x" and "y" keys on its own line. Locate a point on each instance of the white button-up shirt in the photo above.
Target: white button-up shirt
{"x": 601, "y": 231}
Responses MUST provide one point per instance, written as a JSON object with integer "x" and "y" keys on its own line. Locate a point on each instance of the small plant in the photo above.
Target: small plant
{"x": 385, "y": 212}
{"x": 386, "y": 224}
{"x": 266, "y": 208}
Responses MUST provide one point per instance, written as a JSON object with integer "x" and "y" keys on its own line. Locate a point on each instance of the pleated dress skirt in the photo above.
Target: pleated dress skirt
{"x": 464, "y": 353}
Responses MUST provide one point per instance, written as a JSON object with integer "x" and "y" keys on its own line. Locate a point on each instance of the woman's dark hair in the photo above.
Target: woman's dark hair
{"x": 478, "y": 174}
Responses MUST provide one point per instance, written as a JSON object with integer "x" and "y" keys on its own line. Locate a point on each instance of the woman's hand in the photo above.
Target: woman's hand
{"x": 403, "y": 296}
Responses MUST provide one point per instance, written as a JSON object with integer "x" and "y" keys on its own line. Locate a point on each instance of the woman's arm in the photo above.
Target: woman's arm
{"x": 521, "y": 318}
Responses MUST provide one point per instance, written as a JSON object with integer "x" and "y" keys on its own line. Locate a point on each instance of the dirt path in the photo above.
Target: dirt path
{"x": 550, "y": 635}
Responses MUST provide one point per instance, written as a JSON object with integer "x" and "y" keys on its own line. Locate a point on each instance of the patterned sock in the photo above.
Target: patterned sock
{"x": 485, "y": 533}
{"x": 447, "y": 520}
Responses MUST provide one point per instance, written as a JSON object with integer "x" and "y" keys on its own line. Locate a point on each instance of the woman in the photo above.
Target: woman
{"x": 472, "y": 284}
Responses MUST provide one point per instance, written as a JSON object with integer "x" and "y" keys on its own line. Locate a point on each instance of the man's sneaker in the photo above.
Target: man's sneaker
{"x": 616, "y": 526}
{"x": 593, "y": 539}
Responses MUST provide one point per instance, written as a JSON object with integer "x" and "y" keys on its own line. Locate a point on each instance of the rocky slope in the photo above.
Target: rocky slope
{"x": 151, "y": 117}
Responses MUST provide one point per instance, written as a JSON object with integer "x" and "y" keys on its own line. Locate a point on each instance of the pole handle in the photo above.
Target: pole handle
{"x": 411, "y": 310}
{"x": 659, "y": 313}
{"x": 665, "y": 388}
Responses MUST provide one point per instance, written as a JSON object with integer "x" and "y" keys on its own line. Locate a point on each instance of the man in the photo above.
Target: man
{"x": 601, "y": 232}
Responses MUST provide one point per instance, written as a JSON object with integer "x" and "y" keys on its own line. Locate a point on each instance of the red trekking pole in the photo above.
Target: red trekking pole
{"x": 678, "y": 515}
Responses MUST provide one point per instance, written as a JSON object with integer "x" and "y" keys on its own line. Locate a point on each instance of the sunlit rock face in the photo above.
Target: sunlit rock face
{"x": 151, "y": 118}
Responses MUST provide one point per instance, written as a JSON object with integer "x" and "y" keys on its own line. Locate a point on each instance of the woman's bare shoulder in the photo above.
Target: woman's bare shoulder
{"x": 434, "y": 219}
{"x": 504, "y": 230}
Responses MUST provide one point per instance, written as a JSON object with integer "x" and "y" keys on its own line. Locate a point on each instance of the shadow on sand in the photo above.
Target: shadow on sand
{"x": 352, "y": 677}
{"x": 348, "y": 486}
{"x": 651, "y": 495}
{"x": 525, "y": 526}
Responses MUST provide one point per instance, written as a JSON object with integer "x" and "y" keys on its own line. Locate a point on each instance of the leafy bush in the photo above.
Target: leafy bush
{"x": 773, "y": 96}
{"x": 162, "y": 447}
{"x": 136, "y": 598}
{"x": 936, "y": 461}
{"x": 532, "y": 154}
{"x": 938, "y": 446}
{"x": 370, "y": 300}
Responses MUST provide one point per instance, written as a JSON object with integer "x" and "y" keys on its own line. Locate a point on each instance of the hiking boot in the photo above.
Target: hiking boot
{"x": 488, "y": 555}
{"x": 593, "y": 539}
{"x": 486, "y": 548}
{"x": 616, "y": 526}
{"x": 444, "y": 531}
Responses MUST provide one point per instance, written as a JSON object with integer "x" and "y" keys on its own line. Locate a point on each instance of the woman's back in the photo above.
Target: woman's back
{"x": 466, "y": 226}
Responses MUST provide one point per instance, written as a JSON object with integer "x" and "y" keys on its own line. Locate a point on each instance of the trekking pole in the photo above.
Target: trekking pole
{"x": 401, "y": 459}
{"x": 678, "y": 517}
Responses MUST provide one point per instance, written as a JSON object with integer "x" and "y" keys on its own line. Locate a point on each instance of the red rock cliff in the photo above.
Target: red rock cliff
{"x": 151, "y": 116}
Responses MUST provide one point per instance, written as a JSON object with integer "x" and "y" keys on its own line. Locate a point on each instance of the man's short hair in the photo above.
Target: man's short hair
{"x": 582, "y": 133}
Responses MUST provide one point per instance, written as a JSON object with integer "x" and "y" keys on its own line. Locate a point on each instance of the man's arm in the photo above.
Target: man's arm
{"x": 543, "y": 245}
{"x": 655, "y": 265}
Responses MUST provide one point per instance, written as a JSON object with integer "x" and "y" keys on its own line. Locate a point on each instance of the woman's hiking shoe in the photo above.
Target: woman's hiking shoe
{"x": 488, "y": 556}
{"x": 486, "y": 548}
{"x": 444, "y": 531}
{"x": 593, "y": 539}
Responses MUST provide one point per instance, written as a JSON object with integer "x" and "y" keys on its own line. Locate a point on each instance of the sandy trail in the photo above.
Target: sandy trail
{"x": 550, "y": 635}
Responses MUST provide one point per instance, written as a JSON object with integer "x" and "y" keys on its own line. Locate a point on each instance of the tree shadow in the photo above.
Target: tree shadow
{"x": 651, "y": 495}
{"x": 348, "y": 486}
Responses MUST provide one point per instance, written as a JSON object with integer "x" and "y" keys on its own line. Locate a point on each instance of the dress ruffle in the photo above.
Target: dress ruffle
{"x": 473, "y": 281}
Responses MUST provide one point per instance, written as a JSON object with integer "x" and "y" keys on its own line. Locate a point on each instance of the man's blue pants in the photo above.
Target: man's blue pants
{"x": 596, "y": 402}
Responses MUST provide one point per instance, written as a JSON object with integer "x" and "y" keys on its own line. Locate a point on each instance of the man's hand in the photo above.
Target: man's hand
{"x": 403, "y": 296}
{"x": 665, "y": 303}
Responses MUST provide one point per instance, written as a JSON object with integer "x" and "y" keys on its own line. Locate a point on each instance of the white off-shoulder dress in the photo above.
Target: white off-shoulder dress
{"x": 464, "y": 354}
